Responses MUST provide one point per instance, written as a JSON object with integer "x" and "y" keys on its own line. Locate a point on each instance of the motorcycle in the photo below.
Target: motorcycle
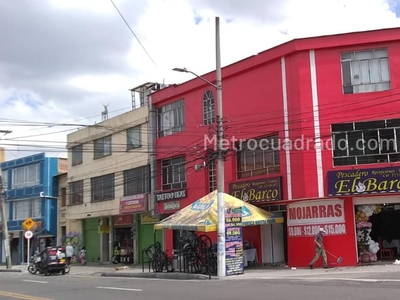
{"x": 34, "y": 264}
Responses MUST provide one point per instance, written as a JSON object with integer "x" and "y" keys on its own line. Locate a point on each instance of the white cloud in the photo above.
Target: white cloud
{"x": 90, "y": 57}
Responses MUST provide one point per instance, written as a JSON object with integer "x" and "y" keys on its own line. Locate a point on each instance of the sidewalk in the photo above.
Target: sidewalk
{"x": 267, "y": 272}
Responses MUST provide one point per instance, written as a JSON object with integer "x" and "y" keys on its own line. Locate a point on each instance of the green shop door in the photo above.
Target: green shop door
{"x": 91, "y": 239}
{"x": 146, "y": 237}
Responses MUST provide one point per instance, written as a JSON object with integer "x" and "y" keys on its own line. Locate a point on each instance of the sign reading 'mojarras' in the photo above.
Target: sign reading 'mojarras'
{"x": 364, "y": 181}
{"x": 260, "y": 190}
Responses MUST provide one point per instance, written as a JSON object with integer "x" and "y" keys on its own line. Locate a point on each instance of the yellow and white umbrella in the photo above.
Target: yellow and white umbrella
{"x": 202, "y": 215}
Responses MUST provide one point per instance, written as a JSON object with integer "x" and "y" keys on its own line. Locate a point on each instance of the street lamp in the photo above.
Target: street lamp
{"x": 220, "y": 154}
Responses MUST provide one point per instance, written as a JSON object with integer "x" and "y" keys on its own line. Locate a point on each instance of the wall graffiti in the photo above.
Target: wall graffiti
{"x": 73, "y": 237}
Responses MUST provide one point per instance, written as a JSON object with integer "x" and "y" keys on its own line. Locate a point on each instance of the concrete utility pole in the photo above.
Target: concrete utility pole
{"x": 221, "y": 270}
{"x": 6, "y": 239}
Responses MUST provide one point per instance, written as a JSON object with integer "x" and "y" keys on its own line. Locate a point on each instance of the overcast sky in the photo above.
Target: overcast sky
{"x": 61, "y": 60}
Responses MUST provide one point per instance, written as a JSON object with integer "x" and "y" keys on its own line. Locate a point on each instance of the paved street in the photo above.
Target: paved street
{"x": 306, "y": 284}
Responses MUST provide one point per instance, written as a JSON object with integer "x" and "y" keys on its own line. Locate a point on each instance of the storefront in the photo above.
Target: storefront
{"x": 146, "y": 233}
{"x": 130, "y": 230}
{"x": 270, "y": 239}
{"x": 123, "y": 238}
{"x": 91, "y": 239}
{"x": 375, "y": 196}
{"x": 361, "y": 217}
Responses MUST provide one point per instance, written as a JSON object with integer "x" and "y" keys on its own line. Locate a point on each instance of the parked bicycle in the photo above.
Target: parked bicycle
{"x": 160, "y": 259}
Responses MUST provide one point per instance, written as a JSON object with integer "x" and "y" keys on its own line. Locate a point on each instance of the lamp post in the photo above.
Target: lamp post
{"x": 220, "y": 153}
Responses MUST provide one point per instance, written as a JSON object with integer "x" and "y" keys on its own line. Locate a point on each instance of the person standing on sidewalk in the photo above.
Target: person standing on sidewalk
{"x": 82, "y": 255}
{"x": 319, "y": 249}
{"x": 69, "y": 253}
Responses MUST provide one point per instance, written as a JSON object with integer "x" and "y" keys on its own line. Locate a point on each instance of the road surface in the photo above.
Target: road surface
{"x": 37, "y": 287}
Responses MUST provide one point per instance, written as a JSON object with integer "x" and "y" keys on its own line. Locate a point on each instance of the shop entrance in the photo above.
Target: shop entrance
{"x": 378, "y": 231}
{"x": 123, "y": 245}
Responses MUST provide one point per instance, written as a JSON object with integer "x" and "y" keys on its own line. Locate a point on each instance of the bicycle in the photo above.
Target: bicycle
{"x": 160, "y": 260}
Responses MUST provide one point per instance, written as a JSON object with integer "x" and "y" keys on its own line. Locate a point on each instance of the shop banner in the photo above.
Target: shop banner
{"x": 305, "y": 218}
{"x": 260, "y": 190}
{"x": 132, "y": 204}
{"x": 233, "y": 241}
{"x": 364, "y": 181}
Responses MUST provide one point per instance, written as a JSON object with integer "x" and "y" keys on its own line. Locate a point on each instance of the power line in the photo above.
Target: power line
{"x": 133, "y": 33}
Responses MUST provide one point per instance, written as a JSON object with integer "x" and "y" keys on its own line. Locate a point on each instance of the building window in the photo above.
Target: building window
{"x": 365, "y": 71}
{"x": 137, "y": 181}
{"x": 102, "y": 147}
{"x": 208, "y": 108}
{"x": 76, "y": 155}
{"x": 27, "y": 209}
{"x": 171, "y": 118}
{"x": 63, "y": 197}
{"x": 258, "y": 157}
{"x": 212, "y": 176}
{"x": 133, "y": 138}
{"x": 173, "y": 173}
{"x": 26, "y": 176}
{"x": 366, "y": 142}
{"x": 103, "y": 188}
{"x": 76, "y": 192}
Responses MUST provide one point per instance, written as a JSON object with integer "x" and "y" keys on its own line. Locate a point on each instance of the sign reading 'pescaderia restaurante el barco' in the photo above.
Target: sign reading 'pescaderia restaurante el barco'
{"x": 260, "y": 190}
{"x": 364, "y": 181}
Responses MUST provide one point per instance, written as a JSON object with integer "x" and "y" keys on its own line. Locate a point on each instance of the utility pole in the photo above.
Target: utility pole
{"x": 220, "y": 163}
{"x": 6, "y": 239}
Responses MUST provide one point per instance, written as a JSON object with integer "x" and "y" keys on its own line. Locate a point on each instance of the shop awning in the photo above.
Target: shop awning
{"x": 202, "y": 215}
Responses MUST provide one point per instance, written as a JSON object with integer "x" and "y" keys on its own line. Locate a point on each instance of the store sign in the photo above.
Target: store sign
{"x": 133, "y": 204}
{"x": 233, "y": 241}
{"x": 261, "y": 190}
{"x": 175, "y": 205}
{"x": 123, "y": 220}
{"x": 172, "y": 195}
{"x": 305, "y": 218}
{"x": 364, "y": 181}
{"x": 103, "y": 229}
{"x": 148, "y": 219}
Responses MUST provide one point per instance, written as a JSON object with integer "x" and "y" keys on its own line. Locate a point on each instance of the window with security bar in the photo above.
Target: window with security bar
{"x": 365, "y": 71}
{"x": 367, "y": 142}
{"x": 173, "y": 173}
{"x": 102, "y": 147}
{"x": 103, "y": 188}
{"x": 208, "y": 108}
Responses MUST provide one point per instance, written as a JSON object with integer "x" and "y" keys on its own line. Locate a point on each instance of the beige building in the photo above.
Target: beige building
{"x": 108, "y": 191}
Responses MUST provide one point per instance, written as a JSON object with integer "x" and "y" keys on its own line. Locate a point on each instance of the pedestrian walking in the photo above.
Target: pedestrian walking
{"x": 82, "y": 255}
{"x": 319, "y": 249}
{"x": 69, "y": 253}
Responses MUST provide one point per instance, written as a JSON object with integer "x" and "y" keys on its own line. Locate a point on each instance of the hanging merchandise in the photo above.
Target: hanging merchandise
{"x": 367, "y": 247}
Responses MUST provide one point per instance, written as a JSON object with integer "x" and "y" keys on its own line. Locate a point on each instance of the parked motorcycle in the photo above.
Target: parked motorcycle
{"x": 33, "y": 264}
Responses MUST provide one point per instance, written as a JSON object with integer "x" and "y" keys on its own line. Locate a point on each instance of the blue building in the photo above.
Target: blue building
{"x": 31, "y": 192}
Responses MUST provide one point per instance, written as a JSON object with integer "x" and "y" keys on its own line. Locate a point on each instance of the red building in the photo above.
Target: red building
{"x": 302, "y": 121}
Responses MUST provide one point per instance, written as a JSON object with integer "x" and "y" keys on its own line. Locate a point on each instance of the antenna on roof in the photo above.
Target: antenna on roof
{"x": 104, "y": 114}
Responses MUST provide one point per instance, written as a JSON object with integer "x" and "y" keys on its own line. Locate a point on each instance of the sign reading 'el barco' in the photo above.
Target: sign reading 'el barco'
{"x": 260, "y": 190}
{"x": 172, "y": 195}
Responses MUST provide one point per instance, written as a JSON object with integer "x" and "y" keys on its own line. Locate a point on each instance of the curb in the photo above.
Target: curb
{"x": 172, "y": 276}
{"x": 10, "y": 270}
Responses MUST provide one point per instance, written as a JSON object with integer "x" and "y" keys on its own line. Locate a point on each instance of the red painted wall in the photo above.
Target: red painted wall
{"x": 336, "y": 107}
{"x": 253, "y": 107}
{"x": 252, "y": 234}
{"x": 301, "y": 250}
{"x": 257, "y": 112}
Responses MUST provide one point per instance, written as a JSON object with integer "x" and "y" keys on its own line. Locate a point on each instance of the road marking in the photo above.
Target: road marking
{"x": 35, "y": 281}
{"x": 333, "y": 278}
{"x": 21, "y": 296}
{"x": 119, "y": 289}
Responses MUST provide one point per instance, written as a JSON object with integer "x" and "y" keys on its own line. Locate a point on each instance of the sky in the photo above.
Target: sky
{"x": 61, "y": 61}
